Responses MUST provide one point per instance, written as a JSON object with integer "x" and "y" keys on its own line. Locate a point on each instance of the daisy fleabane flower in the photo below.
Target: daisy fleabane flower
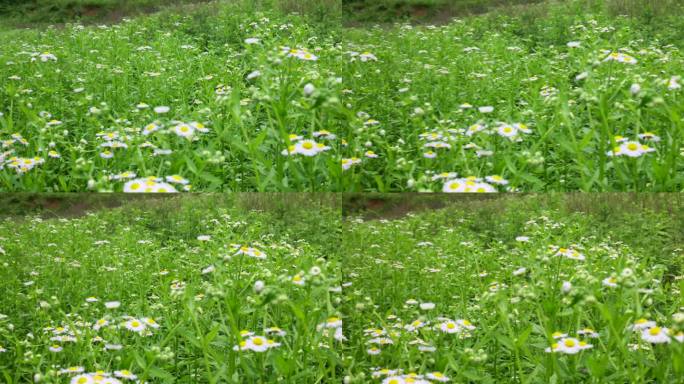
{"x": 569, "y": 345}
{"x": 655, "y": 335}
{"x": 135, "y": 325}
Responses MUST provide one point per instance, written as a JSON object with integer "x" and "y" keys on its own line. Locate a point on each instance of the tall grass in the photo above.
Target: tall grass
{"x": 495, "y": 264}
{"x": 171, "y": 260}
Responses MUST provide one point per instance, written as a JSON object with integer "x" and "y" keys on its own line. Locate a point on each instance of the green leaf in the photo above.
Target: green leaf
{"x": 522, "y": 337}
{"x": 505, "y": 341}
{"x": 142, "y": 363}
{"x": 161, "y": 374}
{"x": 191, "y": 165}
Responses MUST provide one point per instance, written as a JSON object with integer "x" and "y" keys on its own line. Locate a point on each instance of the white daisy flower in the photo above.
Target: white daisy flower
{"x": 642, "y": 324}
{"x": 135, "y": 325}
{"x": 82, "y": 379}
{"x": 125, "y": 374}
{"x": 655, "y": 335}
{"x": 184, "y": 130}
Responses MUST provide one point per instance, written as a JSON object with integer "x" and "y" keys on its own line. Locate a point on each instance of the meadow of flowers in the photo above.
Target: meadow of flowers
{"x": 231, "y": 97}
{"x": 523, "y": 290}
{"x": 202, "y": 289}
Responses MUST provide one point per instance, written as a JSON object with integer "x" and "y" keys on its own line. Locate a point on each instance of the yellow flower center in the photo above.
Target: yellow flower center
{"x": 654, "y": 331}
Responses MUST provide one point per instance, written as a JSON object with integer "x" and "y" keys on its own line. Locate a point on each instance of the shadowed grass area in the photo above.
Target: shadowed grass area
{"x": 26, "y": 13}
{"x": 607, "y": 206}
{"x": 384, "y": 11}
{"x": 50, "y": 205}
{"x": 30, "y": 13}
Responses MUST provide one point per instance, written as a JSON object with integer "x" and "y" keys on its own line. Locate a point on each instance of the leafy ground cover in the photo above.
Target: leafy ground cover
{"x": 539, "y": 289}
{"x": 244, "y": 97}
{"x": 255, "y": 288}
{"x": 210, "y": 289}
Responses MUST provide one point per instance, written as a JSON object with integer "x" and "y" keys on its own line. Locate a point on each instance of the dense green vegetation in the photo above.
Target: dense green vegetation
{"x": 383, "y": 11}
{"x": 166, "y": 289}
{"x": 243, "y": 96}
{"x": 37, "y": 12}
{"x": 534, "y": 289}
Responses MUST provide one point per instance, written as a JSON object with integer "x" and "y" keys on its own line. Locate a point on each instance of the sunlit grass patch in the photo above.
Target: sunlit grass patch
{"x": 244, "y": 97}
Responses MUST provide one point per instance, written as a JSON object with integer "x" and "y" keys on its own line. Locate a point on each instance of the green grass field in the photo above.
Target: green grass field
{"x": 241, "y": 97}
{"x": 255, "y": 288}
{"x": 535, "y": 289}
{"x": 163, "y": 291}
